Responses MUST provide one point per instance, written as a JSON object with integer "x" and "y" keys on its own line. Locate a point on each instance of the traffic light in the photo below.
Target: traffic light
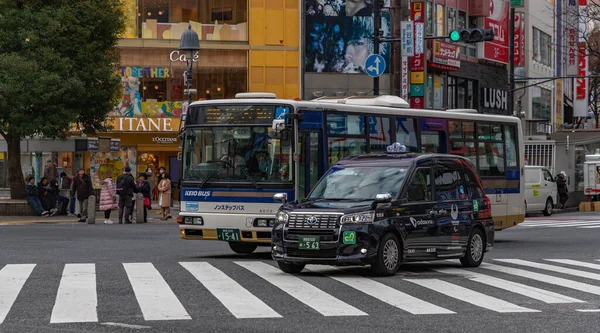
{"x": 471, "y": 35}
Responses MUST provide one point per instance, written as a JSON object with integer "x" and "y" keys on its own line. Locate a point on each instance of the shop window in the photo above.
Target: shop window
{"x": 338, "y": 148}
{"x": 338, "y": 123}
{"x": 542, "y": 47}
{"x": 541, "y": 103}
{"x": 168, "y": 19}
{"x": 379, "y": 134}
{"x": 462, "y": 93}
{"x": 158, "y": 91}
{"x": 430, "y": 12}
{"x": 439, "y": 20}
{"x": 438, "y": 91}
{"x": 452, "y": 19}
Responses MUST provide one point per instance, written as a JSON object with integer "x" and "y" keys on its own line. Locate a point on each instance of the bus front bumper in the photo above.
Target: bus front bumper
{"x": 224, "y": 226}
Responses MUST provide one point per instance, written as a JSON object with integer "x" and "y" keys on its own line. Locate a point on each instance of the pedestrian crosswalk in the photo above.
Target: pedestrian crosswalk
{"x": 244, "y": 288}
{"x": 561, "y": 223}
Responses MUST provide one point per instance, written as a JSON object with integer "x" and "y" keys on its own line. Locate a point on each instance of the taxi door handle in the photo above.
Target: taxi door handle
{"x": 440, "y": 212}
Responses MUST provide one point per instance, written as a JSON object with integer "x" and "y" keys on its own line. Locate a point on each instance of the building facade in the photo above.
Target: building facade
{"x": 246, "y": 45}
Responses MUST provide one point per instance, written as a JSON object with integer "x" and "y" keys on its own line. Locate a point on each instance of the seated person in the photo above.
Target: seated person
{"x": 32, "y": 195}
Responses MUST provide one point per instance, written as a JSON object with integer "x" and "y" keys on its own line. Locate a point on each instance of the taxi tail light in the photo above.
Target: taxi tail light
{"x": 180, "y": 220}
{"x": 487, "y": 212}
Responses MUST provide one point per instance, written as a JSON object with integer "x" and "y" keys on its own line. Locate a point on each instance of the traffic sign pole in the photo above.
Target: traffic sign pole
{"x": 376, "y": 30}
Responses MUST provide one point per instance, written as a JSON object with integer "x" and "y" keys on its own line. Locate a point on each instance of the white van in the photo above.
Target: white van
{"x": 540, "y": 190}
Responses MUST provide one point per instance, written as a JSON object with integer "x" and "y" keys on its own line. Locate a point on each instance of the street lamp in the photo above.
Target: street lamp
{"x": 189, "y": 44}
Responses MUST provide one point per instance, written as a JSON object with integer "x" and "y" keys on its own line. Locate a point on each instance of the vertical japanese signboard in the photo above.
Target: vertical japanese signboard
{"x": 497, "y": 50}
{"x": 417, "y": 62}
{"x": 580, "y": 104}
{"x": 519, "y": 42}
{"x": 571, "y": 25}
{"x": 407, "y": 45}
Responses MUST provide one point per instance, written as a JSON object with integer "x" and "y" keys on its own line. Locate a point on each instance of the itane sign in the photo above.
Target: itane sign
{"x": 131, "y": 124}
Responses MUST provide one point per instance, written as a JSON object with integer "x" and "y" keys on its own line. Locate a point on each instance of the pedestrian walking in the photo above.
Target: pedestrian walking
{"x": 32, "y": 195}
{"x": 125, "y": 189}
{"x": 162, "y": 170}
{"x": 561, "y": 184}
{"x": 108, "y": 196}
{"x": 152, "y": 180}
{"x": 164, "y": 194}
{"x": 82, "y": 185}
{"x": 145, "y": 189}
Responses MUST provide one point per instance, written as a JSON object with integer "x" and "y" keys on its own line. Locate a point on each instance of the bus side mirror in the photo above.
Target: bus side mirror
{"x": 286, "y": 138}
{"x": 278, "y": 124}
{"x": 280, "y": 197}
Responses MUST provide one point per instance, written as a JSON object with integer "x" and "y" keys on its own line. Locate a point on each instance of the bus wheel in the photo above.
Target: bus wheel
{"x": 242, "y": 248}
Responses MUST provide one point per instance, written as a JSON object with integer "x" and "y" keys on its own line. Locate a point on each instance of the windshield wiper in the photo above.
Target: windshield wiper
{"x": 222, "y": 163}
{"x": 251, "y": 178}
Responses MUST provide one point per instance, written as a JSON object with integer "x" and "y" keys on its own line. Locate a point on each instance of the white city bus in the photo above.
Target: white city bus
{"x": 237, "y": 153}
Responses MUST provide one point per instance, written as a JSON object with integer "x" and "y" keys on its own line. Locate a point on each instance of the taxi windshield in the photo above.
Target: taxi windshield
{"x": 359, "y": 183}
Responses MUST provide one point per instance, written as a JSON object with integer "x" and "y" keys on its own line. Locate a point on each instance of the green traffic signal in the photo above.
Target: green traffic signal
{"x": 455, "y": 36}
{"x": 471, "y": 35}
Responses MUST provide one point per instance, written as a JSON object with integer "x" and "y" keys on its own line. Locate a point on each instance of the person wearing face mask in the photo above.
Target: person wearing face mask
{"x": 152, "y": 180}
{"x": 162, "y": 170}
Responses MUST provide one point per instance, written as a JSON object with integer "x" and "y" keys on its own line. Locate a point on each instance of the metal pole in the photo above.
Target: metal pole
{"x": 376, "y": 30}
{"x": 396, "y": 59}
{"x": 189, "y": 81}
{"x": 511, "y": 62}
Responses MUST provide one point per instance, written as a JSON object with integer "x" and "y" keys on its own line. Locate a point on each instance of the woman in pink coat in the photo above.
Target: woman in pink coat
{"x": 108, "y": 196}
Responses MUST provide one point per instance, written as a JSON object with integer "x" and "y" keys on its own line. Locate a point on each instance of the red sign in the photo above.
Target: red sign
{"x": 519, "y": 29}
{"x": 417, "y": 102}
{"x": 581, "y": 88}
{"x": 446, "y": 54}
{"x": 497, "y": 50}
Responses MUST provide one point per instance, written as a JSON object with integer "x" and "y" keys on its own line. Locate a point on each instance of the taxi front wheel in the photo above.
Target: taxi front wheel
{"x": 290, "y": 268}
{"x": 242, "y": 248}
{"x": 388, "y": 257}
{"x": 475, "y": 248}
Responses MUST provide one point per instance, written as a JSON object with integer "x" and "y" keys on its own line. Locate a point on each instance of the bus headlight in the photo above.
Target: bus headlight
{"x": 281, "y": 217}
{"x": 194, "y": 220}
{"x": 364, "y": 217}
{"x": 264, "y": 222}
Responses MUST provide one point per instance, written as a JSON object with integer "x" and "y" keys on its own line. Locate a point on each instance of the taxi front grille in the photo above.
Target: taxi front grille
{"x": 323, "y": 221}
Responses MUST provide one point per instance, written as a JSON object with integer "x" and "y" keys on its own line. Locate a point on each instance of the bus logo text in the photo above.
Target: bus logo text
{"x": 190, "y": 193}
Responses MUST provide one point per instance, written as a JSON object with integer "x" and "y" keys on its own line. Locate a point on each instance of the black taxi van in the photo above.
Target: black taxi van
{"x": 382, "y": 210}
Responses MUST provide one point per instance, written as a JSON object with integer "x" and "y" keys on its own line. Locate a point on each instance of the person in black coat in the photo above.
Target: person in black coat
{"x": 145, "y": 189}
{"x": 82, "y": 185}
{"x": 32, "y": 195}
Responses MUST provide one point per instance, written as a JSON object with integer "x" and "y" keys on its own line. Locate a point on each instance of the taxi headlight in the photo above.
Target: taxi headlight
{"x": 364, "y": 217}
{"x": 281, "y": 217}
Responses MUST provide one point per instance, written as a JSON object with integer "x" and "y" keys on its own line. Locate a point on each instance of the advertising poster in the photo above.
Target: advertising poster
{"x": 114, "y": 162}
{"x": 497, "y": 50}
{"x": 571, "y": 25}
{"x": 519, "y": 30}
{"x": 336, "y": 38}
{"x": 417, "y": 63}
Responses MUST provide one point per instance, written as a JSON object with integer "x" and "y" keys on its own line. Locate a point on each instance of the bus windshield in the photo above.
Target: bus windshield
{"x": 237, "y": 154}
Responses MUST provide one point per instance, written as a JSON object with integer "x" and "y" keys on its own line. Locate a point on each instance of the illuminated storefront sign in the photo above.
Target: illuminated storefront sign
{"x": 131, "y": 124}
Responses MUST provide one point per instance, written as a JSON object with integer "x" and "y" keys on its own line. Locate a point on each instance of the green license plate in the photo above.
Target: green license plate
{"x": 309, "y": 243}
{"x": 229, "y": 235}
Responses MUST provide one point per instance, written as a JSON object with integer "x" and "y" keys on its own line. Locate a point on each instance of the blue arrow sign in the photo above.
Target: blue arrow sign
{"x": 375, "y": 65}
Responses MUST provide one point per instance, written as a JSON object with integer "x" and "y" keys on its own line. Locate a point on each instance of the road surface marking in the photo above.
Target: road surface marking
{"x": 591, "y": 227}
{"x": 518, "y": 288}
{"x": 156, "y": 299}
{"x": 575, "y": 263}
{"x": 565, "y": 283}
{"x": 469, "y": 296}
{"x": 552, "y": 268}
{"x": 582, "y": 224}
{"x": 588, "y": 310}
{"x": 304, "y": 292}
{"x": 551, "y": 222}
{"x": 237, "y": 299}
{"x": 139, "y": 327}
{"x": 384, "y": 293}
{"x": 12, "y": 279}
{"x": 76, "y": 299}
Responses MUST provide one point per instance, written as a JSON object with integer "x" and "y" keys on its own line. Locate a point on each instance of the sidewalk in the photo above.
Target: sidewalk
{"x": 153, "y": 217}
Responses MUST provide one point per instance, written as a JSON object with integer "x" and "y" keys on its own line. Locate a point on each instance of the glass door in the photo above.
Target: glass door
{"x": 311, "y": 165}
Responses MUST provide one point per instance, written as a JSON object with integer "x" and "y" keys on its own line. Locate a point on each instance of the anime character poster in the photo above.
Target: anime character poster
{"x": 339, "y": 35}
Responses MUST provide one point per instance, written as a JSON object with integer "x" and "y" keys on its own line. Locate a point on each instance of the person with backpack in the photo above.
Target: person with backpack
{"x": 125, "y": 189}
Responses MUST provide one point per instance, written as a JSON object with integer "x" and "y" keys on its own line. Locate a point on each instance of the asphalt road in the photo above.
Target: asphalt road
{"x": 75, "y": 277}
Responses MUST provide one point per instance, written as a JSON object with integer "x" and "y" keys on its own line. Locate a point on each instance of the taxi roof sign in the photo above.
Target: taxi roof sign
{"x": 396, "y": 148}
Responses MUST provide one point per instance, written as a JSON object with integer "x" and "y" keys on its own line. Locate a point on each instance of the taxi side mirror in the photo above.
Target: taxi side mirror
{"x": 280, "y": 197}
{"x": 381, "y": 198}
